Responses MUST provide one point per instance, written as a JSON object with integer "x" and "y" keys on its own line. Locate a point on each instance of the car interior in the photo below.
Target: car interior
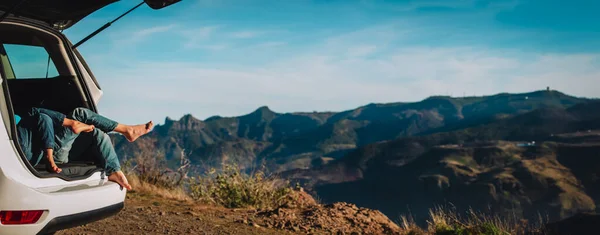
{"x": 38, "y": 73}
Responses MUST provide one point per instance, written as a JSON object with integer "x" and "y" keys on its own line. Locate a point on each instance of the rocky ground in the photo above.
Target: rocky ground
{"x": 337, "y": 218}
{"x": 150, "y": 214}
{"x": 305, "y": 215}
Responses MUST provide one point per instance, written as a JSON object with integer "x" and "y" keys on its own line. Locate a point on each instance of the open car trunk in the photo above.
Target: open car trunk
{"x": 60, "y": 14}
{"x": 55, "y": 80}
{"x": 38, "y": 72}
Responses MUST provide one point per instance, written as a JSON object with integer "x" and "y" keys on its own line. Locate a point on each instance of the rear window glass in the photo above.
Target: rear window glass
{"x": 30, "y": 61}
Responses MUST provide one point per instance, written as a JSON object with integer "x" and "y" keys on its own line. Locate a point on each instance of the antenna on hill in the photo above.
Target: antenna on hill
{"x": 547, "y": 88}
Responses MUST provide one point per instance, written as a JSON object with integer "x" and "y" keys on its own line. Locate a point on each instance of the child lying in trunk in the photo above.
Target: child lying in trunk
{"x": 58, "y": 138}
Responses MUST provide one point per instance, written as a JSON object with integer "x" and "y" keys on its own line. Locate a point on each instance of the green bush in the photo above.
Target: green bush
{"x": 447, "y": 230}
{"x": 234, "y": 189}
{"x": 491, "y": 229}
{"x": 150, "y": 166}
{"x": 444, "y": 221}
{"x": 229, "y": 187}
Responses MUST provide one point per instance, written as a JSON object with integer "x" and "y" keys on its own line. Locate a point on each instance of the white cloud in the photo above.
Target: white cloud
{"x": 335, "y": 74}
{"x": 246, "y": 34}
{"x": 409, "y": 6}
{"x": 316, "y": 82}
{"x": 195, "y": 38}
{"x": 142, "y": 34}
{"x": 265, "y": 45}
{"x": 216, "y": 47}
{"x": 361, "y": 50}
{"x": 157, "y": 29}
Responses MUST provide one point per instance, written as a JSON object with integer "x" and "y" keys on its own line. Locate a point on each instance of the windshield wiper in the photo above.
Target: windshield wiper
{"x": 105, "y": 26}
{"x": 13, "y": 8}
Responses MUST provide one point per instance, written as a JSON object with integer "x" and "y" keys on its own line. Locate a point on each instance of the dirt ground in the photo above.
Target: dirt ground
{"x": 149, "y": 214}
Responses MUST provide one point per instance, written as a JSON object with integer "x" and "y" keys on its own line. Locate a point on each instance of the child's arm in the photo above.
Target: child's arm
{"x": 49, "y": 153}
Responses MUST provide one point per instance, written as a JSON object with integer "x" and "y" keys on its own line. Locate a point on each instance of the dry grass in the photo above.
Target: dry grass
{"x": 448, "y": 222}
{"x": 169, "y": 193}
{"x": 444, "y": 221}
{"x": 408, "y": 224}
{"x": 232, "y": 188}
{"x": 147, "y": 172}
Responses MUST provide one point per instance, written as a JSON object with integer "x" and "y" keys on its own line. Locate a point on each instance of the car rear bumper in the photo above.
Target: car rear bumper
{"x": 74, "y": 220}
{"x": 65, "y": 206}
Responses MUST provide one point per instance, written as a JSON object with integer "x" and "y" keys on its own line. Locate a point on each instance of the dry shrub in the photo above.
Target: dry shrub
{"x": 408, "y": 225}
{"x": 148, "y": 172}
{"x": 233, "y": 188}
{"x": 443, "y": 221}
{"x": 169, "y": 193}
{"x": 448, "y": 221}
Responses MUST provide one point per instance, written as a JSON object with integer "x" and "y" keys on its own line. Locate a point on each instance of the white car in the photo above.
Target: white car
{"x": 40, "y": 67}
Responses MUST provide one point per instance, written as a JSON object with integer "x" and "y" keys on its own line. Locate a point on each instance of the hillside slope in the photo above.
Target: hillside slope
{"x": 304, "y": 140}
{"x": 488, "y": 166}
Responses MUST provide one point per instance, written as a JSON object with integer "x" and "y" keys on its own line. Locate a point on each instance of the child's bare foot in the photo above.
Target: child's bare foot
{"x": 120, "y": 179}
{"x": 54, "y": 169}
{"x": 134, "y": 132}
{"x": 78, "y": 127}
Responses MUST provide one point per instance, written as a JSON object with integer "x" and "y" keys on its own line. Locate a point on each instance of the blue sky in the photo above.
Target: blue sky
{"x": 228, "y": 57}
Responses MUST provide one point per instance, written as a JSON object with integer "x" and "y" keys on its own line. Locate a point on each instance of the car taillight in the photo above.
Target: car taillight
{"x": 20, "y": 217}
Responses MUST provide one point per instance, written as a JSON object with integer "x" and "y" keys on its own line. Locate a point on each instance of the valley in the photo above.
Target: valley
{"x": 527, "y": 155}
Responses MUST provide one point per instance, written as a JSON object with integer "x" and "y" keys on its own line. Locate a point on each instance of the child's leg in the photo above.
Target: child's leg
{"x": 45, "y": 132}
{"x": 107, "y": 125}
{"x": 56, "y": 118}
{"x": 60, "y": 120}
{"x": 91, "y": 118}
{"x": 35, "y": 135}
{"x": 101, "y": 147}
{"x": 95, "y": 145}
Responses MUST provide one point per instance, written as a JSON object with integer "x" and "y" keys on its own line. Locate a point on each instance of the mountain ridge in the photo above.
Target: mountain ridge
{"x": 525, "y": 159}
{"x": 471, "y": 144}
{"x": 372, "y": 104}
{"x": 296, "y": 139}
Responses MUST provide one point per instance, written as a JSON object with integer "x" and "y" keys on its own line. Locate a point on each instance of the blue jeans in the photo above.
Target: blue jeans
{"x": 42, "y": 129}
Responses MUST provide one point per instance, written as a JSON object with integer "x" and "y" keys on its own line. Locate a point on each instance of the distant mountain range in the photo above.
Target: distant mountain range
{"x": 285, "y": 141}
{"x": 408, "y": 157}
{"x": 546, "y": 161}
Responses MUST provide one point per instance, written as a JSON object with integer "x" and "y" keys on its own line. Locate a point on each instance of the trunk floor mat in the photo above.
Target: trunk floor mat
{"x": 70, "y": 169}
